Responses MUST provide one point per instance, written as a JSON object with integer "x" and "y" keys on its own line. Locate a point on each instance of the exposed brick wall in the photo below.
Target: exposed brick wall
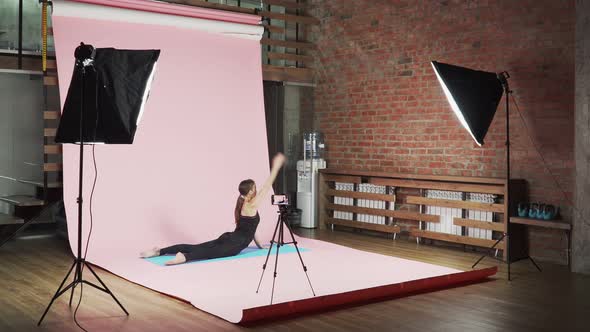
{"x": 381, "y": 108}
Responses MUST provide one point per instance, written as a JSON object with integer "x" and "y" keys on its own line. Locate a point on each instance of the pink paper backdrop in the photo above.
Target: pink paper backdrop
{"x": 202, "y": 132}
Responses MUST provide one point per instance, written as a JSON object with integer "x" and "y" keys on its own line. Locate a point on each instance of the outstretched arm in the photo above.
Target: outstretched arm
{"x": 277, "y": 163}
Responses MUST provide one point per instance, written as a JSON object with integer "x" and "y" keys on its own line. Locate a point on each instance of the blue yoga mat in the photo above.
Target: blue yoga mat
{"x": 246, "y": 253}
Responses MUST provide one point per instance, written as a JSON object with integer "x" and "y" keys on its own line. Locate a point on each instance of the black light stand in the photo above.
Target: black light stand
{"x": 84, "y": 56}
{"x": 503, "y": 78}
{"x": 281, "y": 223}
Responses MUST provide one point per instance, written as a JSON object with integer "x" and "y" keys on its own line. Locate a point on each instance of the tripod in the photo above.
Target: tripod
{"x": 82, "y": 53}
{"x": 281, "y": 223}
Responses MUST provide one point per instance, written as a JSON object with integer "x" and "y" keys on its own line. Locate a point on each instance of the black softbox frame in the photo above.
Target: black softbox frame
{"x": 474, "y": 95}
{"x": 115, "y": 87}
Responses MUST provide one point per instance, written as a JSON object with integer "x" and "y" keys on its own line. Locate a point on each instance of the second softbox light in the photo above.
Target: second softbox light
{"x": 474, "y": 96}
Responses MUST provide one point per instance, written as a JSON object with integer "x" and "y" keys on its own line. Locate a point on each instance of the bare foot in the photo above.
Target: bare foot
{"x": 155, "y": 251}
{"x": 179, "y": 259}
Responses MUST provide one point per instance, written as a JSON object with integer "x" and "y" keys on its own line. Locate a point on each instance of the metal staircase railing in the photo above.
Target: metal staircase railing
{"x": 27, "y": 209}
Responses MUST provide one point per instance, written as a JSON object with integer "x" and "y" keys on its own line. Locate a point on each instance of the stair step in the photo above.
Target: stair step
{"x": 51, "y": 64}
{"x": 45, "y": 220}
{"x": 273, "y": 28}
{"x": 40, "y": 183}
{"x": 289, "y": 56}
{"x": 52, "y": 167}
{"x": 50, "y": 80}
{"x": 278, "y": 73}
{"x": 6, "y": 219}
{"x": 286, "y": 4}
{"x": 22, "y": 200}
{"x": 49, "y": 132}
{"x": 288, "y": 44}
{"x": 309, "y": 20}
{"x": 52, "y": 149}
{"x": 50, "y": 115}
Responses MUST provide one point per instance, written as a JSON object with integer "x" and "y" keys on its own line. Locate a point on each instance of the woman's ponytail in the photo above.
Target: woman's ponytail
{"x": 238, "y": 210}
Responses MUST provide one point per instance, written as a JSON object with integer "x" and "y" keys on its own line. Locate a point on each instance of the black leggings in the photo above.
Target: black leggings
{"x": 220, "y": 247}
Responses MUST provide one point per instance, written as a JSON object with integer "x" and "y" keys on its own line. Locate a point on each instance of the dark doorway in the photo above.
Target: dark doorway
{"x": 274, "y": 97}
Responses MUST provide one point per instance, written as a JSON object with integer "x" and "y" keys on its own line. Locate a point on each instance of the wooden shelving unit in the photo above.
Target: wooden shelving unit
{"x": 413, "y": 205}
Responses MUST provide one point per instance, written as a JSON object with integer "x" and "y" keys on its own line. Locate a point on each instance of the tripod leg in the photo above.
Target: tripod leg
{"x": 264, "y": 265}
{"x": 272, "y": 242}
{"x": 57, "y": 292}
{"x": 534, "y": 263}
{"x": 300, "y": 258}
{"x": 77, "y": 279}
{"x": 492, "y": 248}
{"x": 276, "y": 263}
{"x": 105, "y": 287}
{"x": 508, "y": 253}
{"x": 72, "y": 294}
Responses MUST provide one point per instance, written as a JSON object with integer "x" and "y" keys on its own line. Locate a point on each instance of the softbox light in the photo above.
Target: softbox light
{"x": 115, "y": 86}
{"x": 474, "y": 96}
{"x": 104, "y": 104}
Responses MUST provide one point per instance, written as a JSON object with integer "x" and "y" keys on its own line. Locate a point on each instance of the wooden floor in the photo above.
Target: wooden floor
{"x": 555, "y": 300}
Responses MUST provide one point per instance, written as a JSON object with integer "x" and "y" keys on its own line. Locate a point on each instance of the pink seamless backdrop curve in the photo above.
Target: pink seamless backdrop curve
{"x": 203, "y": 131}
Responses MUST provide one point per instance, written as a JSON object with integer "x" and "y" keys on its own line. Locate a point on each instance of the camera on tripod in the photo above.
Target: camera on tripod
{"x": 281, "y": 200}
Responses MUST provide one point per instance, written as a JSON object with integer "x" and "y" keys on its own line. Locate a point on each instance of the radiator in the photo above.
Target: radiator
{"x": 343, "y": 200}
{"x": 368, "y": 203}
{"x": 480, "y": 215}
{"x": 447, "y": 214}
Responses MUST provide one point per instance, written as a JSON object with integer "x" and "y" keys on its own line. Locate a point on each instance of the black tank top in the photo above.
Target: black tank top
{"x": 246, "y": 228}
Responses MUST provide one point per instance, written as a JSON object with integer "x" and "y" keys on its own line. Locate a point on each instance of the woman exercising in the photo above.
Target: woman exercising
{"x": 229, "y": 243}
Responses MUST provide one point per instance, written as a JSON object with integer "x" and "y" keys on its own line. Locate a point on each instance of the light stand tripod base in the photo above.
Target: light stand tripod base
{"x": 508, "y": 261}
{"x": 79, "y": 264}
{"x": 504, "y": 236}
